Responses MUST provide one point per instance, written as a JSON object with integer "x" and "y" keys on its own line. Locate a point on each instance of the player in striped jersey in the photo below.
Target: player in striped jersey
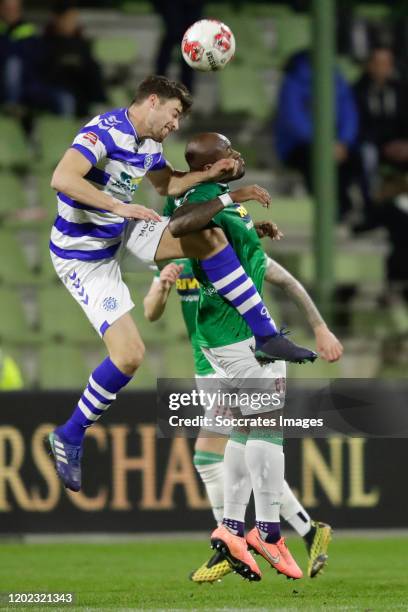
{"x": 98, "y": 229}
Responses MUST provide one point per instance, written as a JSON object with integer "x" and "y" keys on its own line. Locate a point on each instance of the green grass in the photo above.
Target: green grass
{"x": 362, "y": 575}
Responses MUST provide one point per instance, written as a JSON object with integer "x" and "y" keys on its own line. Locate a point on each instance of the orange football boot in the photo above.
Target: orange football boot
{"x": 277, "y": 554}
{"x": 235, "y": 550}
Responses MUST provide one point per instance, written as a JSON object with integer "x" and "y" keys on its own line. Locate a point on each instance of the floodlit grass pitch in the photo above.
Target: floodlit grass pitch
{"x": 362, "y": 574}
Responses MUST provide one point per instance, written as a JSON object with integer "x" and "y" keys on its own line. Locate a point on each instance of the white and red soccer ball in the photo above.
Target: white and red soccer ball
{"x": 208, "y": 45}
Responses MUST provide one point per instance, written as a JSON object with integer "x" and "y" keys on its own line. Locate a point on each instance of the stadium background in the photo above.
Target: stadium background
{"x": 348, "y": 483}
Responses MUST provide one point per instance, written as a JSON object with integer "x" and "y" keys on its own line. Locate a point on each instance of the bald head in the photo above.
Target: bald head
{"x": 206, "y": 148}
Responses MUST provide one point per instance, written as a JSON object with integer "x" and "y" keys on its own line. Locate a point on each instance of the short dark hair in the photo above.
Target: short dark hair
{"x": 165, "y": 89}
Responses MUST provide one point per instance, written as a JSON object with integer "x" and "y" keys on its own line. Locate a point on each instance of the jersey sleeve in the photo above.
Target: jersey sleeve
{"x": 204, "y": 192}
{"x": 159, "y": 163}
{"x": 93, "y": 142}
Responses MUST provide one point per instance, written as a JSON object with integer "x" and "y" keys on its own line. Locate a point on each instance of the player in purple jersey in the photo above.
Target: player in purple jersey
{"x": 98, "y": 229}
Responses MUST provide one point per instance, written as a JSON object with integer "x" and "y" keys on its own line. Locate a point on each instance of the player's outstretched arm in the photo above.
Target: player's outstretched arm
{"x": 169, "y": 181}
{"x": 69, "y": 178}
{"x": 194, "y": 216}
{"x": 156, "y": 299}
{"x": 328, "y": 346}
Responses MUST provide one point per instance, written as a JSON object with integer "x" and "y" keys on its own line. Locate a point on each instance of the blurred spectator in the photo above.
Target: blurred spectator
{"x": 382, "y": 105}
{"x": 390, "y": 210}
{"x": 18, "y": 41}
{"x": 10, "y": 375}
{"x": 177, "y": 16}
{"x": 69, "y": 78}
{"x": 294, "y": 125}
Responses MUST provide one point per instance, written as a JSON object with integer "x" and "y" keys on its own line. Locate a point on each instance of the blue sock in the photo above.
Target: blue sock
{"x": 105, "y": 381}
{"x": 269, "y": 532}
{"x": 229, "y": 278}
{"x": 235, "y": 527}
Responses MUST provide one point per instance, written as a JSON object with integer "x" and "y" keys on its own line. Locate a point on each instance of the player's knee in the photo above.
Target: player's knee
{"x": 130, "y": 358}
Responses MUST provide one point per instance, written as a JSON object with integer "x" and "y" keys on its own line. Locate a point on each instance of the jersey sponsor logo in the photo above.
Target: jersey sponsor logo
{"x": 110, "y": 303}
{"x": 187, "y": 284}
{"x": 92, "y": 137}
{"x": 127, "y": 183}
{"x": 108, "y": 122}
{"x": 245, "y": 216}
{"x": 148, "y": 161}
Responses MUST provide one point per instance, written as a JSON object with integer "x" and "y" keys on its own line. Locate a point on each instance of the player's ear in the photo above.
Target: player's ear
{"x": 153, "y": 100}
{"x": 207, "y": 166}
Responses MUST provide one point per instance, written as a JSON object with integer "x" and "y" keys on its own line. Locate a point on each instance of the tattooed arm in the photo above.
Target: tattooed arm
{"x": 328, "y": 346}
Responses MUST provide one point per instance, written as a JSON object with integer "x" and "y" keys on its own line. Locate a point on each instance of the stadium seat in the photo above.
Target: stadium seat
{"x": 249, "y": 95}
{"x": 14, "y": 150}
{"x": 178, "y": 360}
{"x": 46, "y": 197}
{"x": 118, "y": 97}
{"x": 62, "y": 318}
{"x": 14, "y": 268}
{"x": 290, "y": 214}
{"x": 145, "y": 377}
{"x": 115, "y": 49}
{"x": 174, "y": 152}
{"x": 61, "y": 366}
{"x": 12, "y": 194}
{"x": 55, "y": 135}
{"x": 47, "y": 272}
{"x": 293, "y": 33}
{"x": 152, "y": 333}
{"x": 14, "y": 325}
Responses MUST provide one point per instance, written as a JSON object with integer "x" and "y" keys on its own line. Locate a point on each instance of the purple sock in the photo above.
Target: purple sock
{"x": 235, "y": 527}
{"x": 105, "y": 381}
{"x": 269, "y": 532}
{"x": 229, "y": 278}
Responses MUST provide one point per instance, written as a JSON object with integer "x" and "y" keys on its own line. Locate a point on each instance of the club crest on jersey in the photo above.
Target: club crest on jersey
{"x": 110, "y": 303}
{"x": 148, "y": 161}
{"x": 108, "y": 122}
{"x": 92, "y": 137}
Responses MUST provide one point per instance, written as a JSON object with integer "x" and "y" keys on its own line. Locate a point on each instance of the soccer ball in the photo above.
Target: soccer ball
{"x": 208, "y": 45}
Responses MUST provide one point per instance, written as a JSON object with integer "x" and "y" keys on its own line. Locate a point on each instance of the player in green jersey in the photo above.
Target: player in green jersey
{"x": 254, "y": 458}
{"x": 209, "y": 448}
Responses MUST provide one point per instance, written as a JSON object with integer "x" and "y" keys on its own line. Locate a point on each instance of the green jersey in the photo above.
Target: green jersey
{"x": 218, "y": 323}
{"x": 188, "y": 289}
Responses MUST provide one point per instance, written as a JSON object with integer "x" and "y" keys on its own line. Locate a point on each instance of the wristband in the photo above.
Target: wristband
{"x": 226, "y": 199}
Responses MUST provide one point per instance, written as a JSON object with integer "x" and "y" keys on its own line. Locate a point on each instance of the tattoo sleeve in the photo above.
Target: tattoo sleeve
{"x": 278, "y": 275}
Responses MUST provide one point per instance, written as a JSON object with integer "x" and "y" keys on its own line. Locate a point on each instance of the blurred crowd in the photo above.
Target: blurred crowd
{"x": 51, "y": 70}
{"x": 370, "y": 150}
